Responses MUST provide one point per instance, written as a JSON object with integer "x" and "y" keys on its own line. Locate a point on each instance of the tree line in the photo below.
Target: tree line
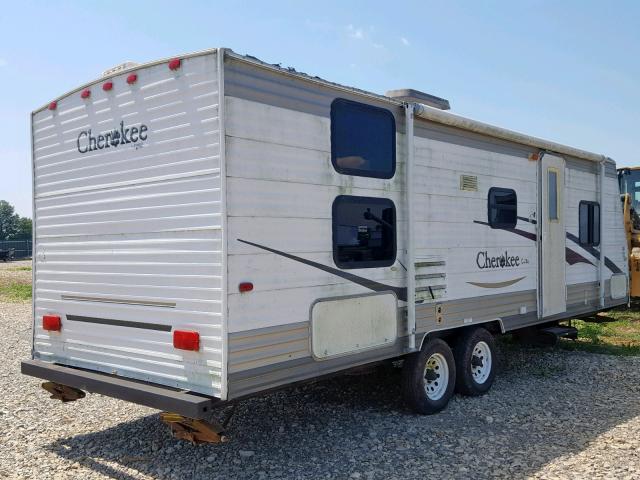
{"x": 12, "y": 225}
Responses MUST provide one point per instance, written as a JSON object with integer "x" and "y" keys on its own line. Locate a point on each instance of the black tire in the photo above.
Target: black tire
{"x": 466, "y": 383}
{"x": 413, "y": 377}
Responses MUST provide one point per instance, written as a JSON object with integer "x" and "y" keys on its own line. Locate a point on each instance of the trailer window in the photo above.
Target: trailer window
{"x": 363, "y": 139}
{"x": 589, "y": 225}
{"x": 502, "y": 208}
{"x": 364, "y": 232}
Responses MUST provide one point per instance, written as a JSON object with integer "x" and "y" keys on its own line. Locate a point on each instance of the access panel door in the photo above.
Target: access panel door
{"x": 552, "y": 258}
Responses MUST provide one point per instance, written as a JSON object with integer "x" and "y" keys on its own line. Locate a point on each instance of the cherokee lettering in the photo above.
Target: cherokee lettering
{"x": 120, "y": 135}
{"x": 484, "y": 260}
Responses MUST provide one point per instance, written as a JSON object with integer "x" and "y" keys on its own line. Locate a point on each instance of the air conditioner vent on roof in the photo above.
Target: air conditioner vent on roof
{"x": 415, "y": 96}
{"x": 469, "y": 183}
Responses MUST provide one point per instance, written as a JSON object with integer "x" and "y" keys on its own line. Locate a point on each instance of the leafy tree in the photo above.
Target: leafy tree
{"x": 12, "y": 225}
{"x": 23, "y": 229}
{"x": 8, "y": 220}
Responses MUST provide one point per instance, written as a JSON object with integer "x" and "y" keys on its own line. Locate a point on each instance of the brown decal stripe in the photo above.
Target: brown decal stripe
{"x": 365, "y": 282}
{"x": 596, "y": 253}
{"x": 572, "y": 256}
{"x": 506, "y": 283}
{"x": 593, "y": 251}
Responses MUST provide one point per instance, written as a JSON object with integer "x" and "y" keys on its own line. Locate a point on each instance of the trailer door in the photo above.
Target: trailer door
{"x": 552, "y": 259}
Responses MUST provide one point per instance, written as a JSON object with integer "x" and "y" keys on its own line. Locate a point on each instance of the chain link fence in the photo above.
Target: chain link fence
{"x": 21, "y": 248}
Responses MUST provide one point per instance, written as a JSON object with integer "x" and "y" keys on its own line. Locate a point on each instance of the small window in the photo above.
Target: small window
{"x": 552, "y": 177}
{"x": 589, "y": 224}
{"x": 364, "y": 232}
{"x": 363, "y": 139}
{"x": 503, "y": 208}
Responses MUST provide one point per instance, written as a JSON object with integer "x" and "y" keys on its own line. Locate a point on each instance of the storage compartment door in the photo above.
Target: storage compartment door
{"x": 348, "y": 325}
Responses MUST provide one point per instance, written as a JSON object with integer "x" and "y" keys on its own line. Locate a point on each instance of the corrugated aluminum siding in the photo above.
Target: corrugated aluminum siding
{"x": 281, "y": 186}
{"x": 128, "y": 226}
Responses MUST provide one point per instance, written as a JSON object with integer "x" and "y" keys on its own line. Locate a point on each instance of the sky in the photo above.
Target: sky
{"x": 565, "y": 71}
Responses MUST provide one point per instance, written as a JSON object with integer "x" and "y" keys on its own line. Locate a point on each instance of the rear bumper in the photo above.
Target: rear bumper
{"x": 188, "y": 404}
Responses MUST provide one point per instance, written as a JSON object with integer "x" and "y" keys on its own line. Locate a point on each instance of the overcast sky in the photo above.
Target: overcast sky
{"x": 566, "y": 71}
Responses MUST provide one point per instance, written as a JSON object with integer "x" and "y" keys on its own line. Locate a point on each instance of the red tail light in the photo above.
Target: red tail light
{"x": 133, "y": 78}
{"x": 51, "y": 323}
{"x": 107, "y": 86}
{"x": 245, "y": 287}
{"x": 86, "y": 93}
{"x": 53, "y": 105}
{"x": 186, "y": 340}
{"x": 174, "y": 64}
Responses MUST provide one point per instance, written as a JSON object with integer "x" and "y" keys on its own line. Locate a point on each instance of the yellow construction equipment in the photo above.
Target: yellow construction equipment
{"x": 629, "y": 181}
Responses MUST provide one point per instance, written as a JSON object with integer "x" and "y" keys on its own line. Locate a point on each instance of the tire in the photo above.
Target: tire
{"x": 475, "y": 362}
{"x": 429, "y": 395}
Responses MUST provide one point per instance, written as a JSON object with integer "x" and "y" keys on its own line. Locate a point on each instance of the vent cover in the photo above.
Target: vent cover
{"x": 431, "y": 278}
{"x": 469, "y": 183}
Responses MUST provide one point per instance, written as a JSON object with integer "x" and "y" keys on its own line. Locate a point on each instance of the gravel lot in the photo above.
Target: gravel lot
{"x": 551, "y": 414}
{"x": 13, "y": 271}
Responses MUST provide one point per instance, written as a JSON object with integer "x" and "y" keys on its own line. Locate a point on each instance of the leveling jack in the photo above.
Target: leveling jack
{"x": 195, "y": 431}
{"x": 63, "y": 392}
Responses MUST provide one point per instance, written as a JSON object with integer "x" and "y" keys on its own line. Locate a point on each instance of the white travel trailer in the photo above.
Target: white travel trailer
{"x": 210, "y": 227}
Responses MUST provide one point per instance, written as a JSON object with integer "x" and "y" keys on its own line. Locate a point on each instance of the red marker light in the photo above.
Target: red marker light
{"x": 51, "y": 323}
{"x": 86, "y": 93}
{"x": 174, "y": 64}
{"x": 107, "y": 86}
{"x": 245, "y": 287}
{"x": 133, "y": 78}
{"x": 186, "y": 340}
{"x": 53, "y": 105}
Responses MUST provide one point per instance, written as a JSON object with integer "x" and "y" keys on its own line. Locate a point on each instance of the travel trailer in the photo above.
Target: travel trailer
{"x": 210, "y": 227}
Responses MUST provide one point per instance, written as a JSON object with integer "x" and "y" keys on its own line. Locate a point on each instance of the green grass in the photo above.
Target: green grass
{"x": 15, "y": 292}
{"x": 619, "y": 336}
{"x": 20, "y": 269}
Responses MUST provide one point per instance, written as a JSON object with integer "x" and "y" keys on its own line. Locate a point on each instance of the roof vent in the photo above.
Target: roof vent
{"x": 411, "y": 95}
{"x": 119, "y": 68}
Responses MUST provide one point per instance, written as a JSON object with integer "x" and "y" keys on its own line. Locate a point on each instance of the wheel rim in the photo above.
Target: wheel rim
{"x": 436, "y": 376}
{"x": 481, "y": 362}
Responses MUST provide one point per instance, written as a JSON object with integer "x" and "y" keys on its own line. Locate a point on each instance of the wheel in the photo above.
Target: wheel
{"x": 475, "y": 362}
{"x": 429, "y": 377}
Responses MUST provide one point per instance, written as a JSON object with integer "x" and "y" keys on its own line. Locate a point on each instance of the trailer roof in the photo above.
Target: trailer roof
{"x": 439, "y": 116}
{"x": 422, "y": 111}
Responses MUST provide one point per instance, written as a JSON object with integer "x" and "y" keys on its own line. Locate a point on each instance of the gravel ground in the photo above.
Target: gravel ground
{"x": 551, "y": 414}
{"x": 12, "y": 272}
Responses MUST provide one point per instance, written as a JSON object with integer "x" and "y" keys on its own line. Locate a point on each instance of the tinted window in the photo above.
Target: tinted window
{"x": 363, "y": 139}
{"x": 589, "y": 223}
{"x": 364, "y": 232}
{"x": 552, "y": 177}
{"x": 503, "y": 208}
